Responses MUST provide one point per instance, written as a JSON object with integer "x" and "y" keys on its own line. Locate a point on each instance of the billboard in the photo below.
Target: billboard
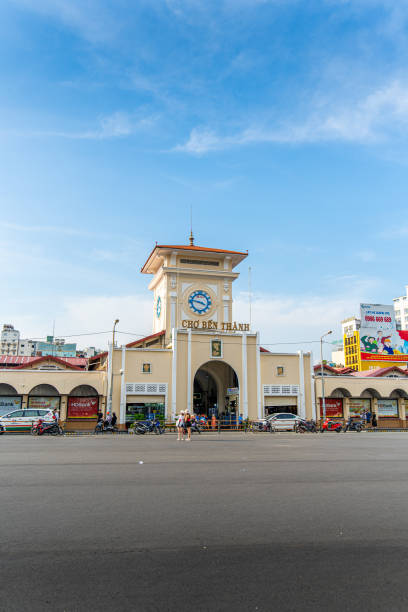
{"x": 379, "y": 338}
{"x": 334, "y": 407}
{"x": 387, "y": 408}
{"x": 358, "y": 405}
{"x": 9, "y": 403}
{"x": 82, "y": 407}
{"x": 44, "y": 403}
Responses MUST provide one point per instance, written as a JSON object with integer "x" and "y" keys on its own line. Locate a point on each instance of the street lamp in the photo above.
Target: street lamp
{"x": 322, "y": 373}
{"x": 109, "y": 409}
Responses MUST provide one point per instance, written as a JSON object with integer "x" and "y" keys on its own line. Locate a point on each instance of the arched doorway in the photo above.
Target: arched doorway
{"x": 83, "y": 403}
{"x": 216, "y": 389}
{"x": 9, "y": 400}
{"x": 44, "y": 397}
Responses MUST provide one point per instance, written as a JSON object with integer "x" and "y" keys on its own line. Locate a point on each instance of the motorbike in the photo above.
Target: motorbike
{"x": 330, "y": 425}
{"x": 41, "y": 427}
{"x": 306, "y": 425}
{"x": 148, "y": 427}
{"x": 105, "y": 427}
{"x": 353, "y": 425}
{"x": 195, "y": 427}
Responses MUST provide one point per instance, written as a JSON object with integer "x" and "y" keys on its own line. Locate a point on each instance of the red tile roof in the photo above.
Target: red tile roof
{"x": 131, "y": 344}
{"x": 338, "y": 371}
{"x": 186, "y": 247}
{"x": 161, "y": 333}
{"x": 378, "y": 372}
{"x": 19, "y": 362}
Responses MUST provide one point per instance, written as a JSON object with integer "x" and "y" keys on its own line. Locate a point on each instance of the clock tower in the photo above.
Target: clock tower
{"x": 191, "y": 285}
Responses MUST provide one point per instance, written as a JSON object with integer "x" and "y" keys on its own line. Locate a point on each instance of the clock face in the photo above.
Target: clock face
{"x": 158, "y": 307}
{"x": 199, "y": 302}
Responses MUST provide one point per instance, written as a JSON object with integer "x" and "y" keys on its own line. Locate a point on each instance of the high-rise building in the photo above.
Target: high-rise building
{"x": 9, "y": 340}
{"x": 27, "y": 347}
{"x": 401, "y": 310}
{"x": 56, "y": 347}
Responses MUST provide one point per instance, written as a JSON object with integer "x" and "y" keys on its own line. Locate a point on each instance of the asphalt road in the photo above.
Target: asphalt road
{"x": 226, "y": 522}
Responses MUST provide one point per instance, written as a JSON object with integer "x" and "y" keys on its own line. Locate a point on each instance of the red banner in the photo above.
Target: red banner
{"x": 82, "y": 407}
{"x": 334, "y": 407}
{"x": 384, "y": 357}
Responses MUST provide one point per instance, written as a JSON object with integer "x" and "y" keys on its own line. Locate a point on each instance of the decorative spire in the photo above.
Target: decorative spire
{"x": 191, "y": 226}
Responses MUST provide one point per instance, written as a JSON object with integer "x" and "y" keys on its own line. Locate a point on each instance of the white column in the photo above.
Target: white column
{"x": 173, "y": 313}
{"x": 122, "y": 411}
{"x": 312, "y": 387}
{"x": 189, "y": 334}
{"x": 258, "y": 377}
{"x": 174, "y": 375}
{"x": 302, "y": 407}
{"x": 109, "y": 391}
{"x": 243, "y": 389}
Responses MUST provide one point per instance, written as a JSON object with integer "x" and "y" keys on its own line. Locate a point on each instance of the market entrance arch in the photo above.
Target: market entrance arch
{"x": 216, "y": 390}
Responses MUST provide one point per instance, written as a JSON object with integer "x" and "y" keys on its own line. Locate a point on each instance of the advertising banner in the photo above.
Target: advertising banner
{"x": 387, "y": 407}
{"x": 9, "y": 403}
{"x": 334, "y": 407}
{"x": 358, "y": 405}
{"x": 82, "y": 407}
{"x": 44, "y": 403}
{"x": 406, "y": 408}
{"x": 379, "y": 338}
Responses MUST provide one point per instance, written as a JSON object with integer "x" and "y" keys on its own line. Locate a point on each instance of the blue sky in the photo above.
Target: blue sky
{"x": 283, "y": 123}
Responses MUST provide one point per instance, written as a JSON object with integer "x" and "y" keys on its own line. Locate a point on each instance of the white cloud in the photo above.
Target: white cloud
{"x": 376, "y": 116}
{"x": 116, "y": 125}
{"x": 81, "y": 319}
{"x": 92, "y": 19}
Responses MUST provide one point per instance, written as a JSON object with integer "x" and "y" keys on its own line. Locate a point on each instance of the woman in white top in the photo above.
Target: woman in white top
{"x": 180, "y": 426}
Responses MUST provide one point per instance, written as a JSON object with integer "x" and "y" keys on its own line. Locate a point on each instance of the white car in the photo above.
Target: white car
{"x": 22, "y": 420}
{"x": 283, "y": 421}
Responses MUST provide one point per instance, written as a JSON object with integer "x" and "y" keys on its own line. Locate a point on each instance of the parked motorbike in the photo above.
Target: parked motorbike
{"x": 41, "y": 427}
{"x": 330, "y": 425}
{"x": 148, "y": 427}
{"x": 306, "y": 426}
{"x": 195, "y": 427}
{"x": 353, "y": 425}
{"x": 105, "y": 427}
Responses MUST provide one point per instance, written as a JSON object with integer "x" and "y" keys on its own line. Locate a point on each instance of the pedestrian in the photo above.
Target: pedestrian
{"x": 187, "y": 425}
{"x": 180, "y": 426}
{"x": 114, "y": 419}
{"x": 55, "y": 415}
{"x": 374, "y": 420}
{"x": 368, "y": 417}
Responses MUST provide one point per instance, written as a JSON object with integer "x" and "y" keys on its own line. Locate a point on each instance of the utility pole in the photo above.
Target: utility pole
{"x": 322, "y": 373}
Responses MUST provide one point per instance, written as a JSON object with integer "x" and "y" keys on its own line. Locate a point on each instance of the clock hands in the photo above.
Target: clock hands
{"x": 194, "y": 300}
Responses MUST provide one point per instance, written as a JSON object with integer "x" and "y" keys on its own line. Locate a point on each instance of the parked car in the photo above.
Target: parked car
{"x": 22, "y": 420}
{"x": 283, "y": 421}
{"x": 279, "y": 421}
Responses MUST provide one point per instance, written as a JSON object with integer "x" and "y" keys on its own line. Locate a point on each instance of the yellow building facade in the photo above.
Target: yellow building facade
{"x": 198, "y": 357}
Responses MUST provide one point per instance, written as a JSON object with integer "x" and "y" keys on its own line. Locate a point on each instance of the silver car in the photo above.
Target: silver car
{"x": 283, "y": 421}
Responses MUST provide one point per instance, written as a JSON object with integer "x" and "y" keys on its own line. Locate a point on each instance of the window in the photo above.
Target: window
{"x": 146, "y": 368}
{"x": 31, "y": 413}
{"x": 280, "y": 371}
{"x": 17, "y": 413}
{"x": 216, "y": 348}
